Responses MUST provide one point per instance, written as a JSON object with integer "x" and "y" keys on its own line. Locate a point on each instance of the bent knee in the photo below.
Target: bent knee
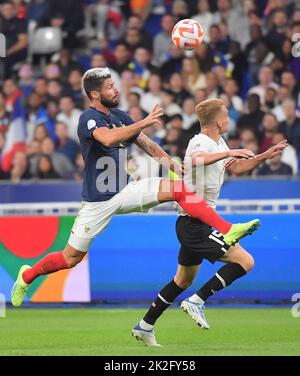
{"x": 182, "y": 282}
{"x": 73, "y": 260}
{"x": 247, "y": 263}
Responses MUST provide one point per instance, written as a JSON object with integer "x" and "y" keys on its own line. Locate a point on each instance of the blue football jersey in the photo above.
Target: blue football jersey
{"x": 104, "y": 170}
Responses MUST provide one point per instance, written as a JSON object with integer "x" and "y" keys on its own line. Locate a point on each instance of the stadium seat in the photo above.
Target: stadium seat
{"x": 43, "y": 40}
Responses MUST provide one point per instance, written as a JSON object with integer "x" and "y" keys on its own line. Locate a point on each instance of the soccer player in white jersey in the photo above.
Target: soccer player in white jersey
{"x": 104, "y": 133}
{"x": 208, "y": 152}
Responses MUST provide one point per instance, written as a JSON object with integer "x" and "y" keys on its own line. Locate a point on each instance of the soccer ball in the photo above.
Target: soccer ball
{"x": 187, "y": 34}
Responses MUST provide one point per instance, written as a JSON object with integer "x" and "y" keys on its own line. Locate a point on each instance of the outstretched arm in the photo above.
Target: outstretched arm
{"x": 200, "y": 158}
{"x": 155, "y": 151}
{"x": 244, "y": 165}
{"x": 109, "y": 137}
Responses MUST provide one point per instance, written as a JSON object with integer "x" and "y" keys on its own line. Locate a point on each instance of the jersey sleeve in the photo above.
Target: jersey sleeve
{"x": 88, "y": 125}
{"x": 200, "y": 145}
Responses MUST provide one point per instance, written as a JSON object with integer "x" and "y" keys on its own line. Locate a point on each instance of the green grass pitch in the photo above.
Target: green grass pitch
{"x": 93, "y": 331}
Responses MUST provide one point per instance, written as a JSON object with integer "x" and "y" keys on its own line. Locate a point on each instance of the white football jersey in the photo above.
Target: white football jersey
{"x": 206, "y": 181}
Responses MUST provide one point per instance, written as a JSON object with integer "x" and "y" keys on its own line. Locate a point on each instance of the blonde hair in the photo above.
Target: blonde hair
{"x": 208, "y": 109}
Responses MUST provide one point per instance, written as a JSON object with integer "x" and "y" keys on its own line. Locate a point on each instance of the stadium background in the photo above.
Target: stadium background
{"x": 247, "y": 60}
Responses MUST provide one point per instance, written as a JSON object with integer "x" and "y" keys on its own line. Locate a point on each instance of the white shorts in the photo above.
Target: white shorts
{"x": 93, "y": 217}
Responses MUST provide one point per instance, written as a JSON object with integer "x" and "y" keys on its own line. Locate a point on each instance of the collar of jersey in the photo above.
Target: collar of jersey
{"x": 217, "y": 143}
{"x": 101, "y": 111}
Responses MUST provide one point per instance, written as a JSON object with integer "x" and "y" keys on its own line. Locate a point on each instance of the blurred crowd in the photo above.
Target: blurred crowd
{"x": 250, "y": 59}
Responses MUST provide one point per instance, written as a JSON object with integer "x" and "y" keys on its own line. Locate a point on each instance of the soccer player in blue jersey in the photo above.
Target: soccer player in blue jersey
{"x": 104, "y": 133}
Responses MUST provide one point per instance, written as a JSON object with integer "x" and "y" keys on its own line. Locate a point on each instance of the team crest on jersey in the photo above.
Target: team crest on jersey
{"x": 91, "y": 124}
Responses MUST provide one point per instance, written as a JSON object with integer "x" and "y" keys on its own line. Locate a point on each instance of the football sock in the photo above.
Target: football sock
{"x": 51, "y": 263}
{"x": 224, "y": 277}
{"x": 197, "y": 208}
{"x": 144, "y": 325}
{"x": 164, "y": 299}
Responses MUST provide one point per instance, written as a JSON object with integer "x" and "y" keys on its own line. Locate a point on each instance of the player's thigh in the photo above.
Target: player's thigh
{"x": 185, "y": 275}
{"x": 198, "y": 242}
{"x": 139, "y": 196}
{"x": 239, "y": 255}
{"x": 91, "y": 220}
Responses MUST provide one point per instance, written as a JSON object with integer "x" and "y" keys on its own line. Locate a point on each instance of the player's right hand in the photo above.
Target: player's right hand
{"x": 241, "y": 153}
{"x": 276, "y": 149}
{"x": 153, "y": 117}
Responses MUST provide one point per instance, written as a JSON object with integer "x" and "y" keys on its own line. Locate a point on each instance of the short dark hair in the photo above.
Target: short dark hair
{"x": 135, "y": 94}
{"x": 215, "y": 26}
{"x": 254, "y": 97}
{"x": 56, "y": 80}
{"x": 169, "y": 92}
{"x": 272, "y": 115}
{"x": 176, "y": 117}
{"x": 93, "y": 79}
{"x": 61, "y": 123}
{"x": 67, "y": 95}
{"x": 76, "y": 69}
{"x": 122, "y": 43}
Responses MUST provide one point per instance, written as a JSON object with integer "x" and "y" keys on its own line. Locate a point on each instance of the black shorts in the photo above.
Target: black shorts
{"x": 198, "y": 242}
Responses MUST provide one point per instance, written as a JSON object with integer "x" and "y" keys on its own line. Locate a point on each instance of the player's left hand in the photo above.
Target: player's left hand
{"x": 276, "y": 149}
